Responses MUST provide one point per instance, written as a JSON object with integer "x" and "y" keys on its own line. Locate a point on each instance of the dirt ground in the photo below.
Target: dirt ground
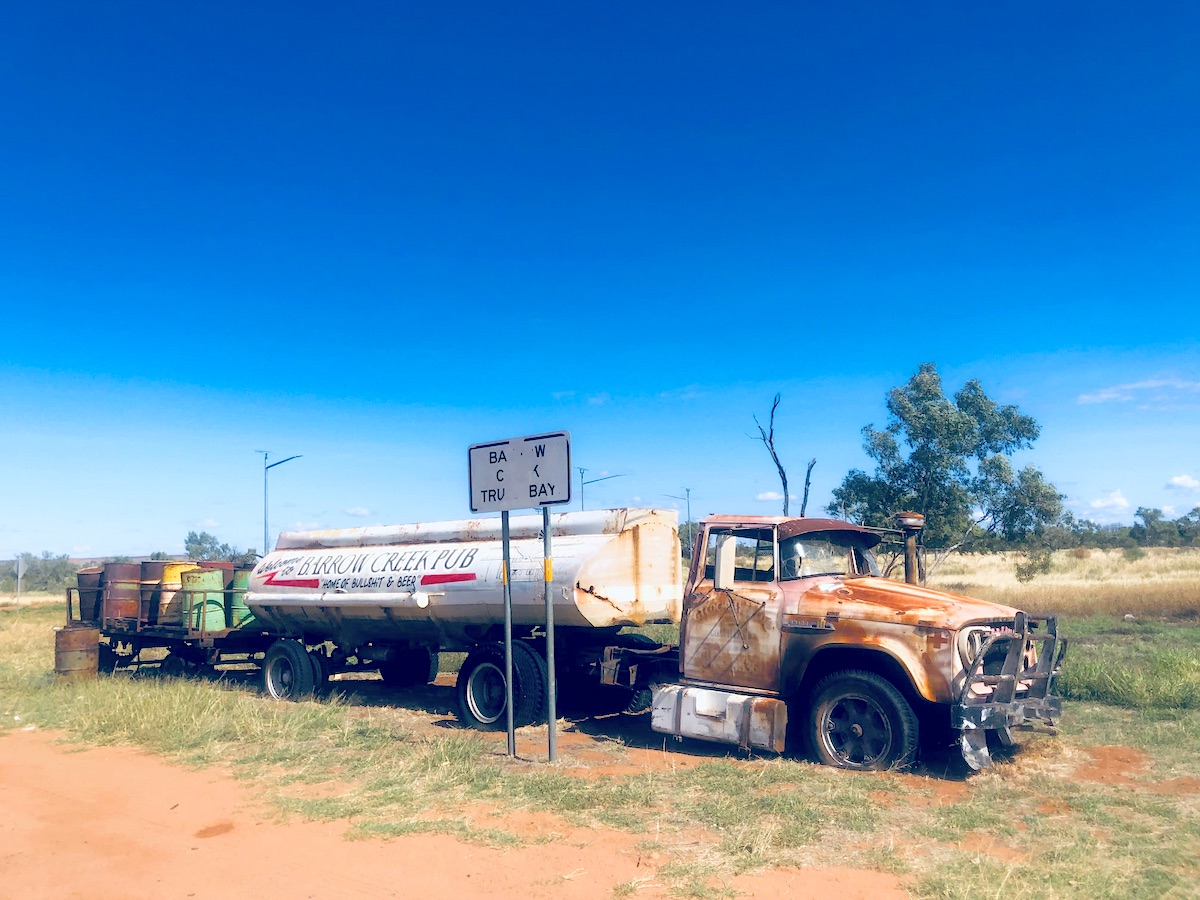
{"x": 117, "y": 822}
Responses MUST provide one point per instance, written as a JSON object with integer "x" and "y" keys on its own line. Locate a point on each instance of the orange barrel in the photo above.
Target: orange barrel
{"x": 152, "y": 576}
{"x": 170, "y": 601}
{"x": 122, "y": 590}
{"x": 77, "y": 652}
{"x": 205, "y": 590}
{"x": 239, "y": 613}
{"x": 88, "y": 581}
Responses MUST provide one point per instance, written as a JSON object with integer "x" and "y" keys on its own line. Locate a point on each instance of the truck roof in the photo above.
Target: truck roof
{"x": 790, "y": 526}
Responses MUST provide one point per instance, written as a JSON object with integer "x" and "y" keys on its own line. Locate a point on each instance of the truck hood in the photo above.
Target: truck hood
{"x": 884, "y": 600}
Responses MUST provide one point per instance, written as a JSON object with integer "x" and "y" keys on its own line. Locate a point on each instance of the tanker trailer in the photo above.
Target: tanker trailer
{"x": 391, "y": 597}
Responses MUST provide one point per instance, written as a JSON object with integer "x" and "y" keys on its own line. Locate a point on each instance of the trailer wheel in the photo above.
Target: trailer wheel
{"x": 320, "y": 669}
{"x": 858, "y": 720}
{"x": 173, "y": 666}
{"x": 480, "y": 688}
{"x": 108, "y": 659}
{"x": 287, "y": 672}
{"x": 419, "y": 666}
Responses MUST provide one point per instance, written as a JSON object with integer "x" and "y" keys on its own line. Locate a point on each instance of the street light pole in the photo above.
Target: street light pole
{"x": 688, "y": 499}
{"x": 593, "y": 481}
{"x": 265, "y": 454}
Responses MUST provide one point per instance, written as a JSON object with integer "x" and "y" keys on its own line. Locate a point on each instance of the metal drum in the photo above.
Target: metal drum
{"x": 122, "y": 590}
{"x": 226, "y": 568}
{"x": 204, "y": 591}
{"x": 239, "y": 613}
{"x": 77, "y": 652}
{"x": 170, "y": 601}
{"x": 88, "y": 581}
{"x": 152, "y": 576}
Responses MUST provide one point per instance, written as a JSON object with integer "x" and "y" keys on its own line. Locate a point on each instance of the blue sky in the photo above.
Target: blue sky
{"x": 376, "y": 233}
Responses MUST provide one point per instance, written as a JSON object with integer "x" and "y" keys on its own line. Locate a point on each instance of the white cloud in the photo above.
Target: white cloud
{"x": 562, "y": 395}
{"x": 208, "y": 523}
{"x": 305, "y": 526}
{"x": 600, "y": 399}
{"x": 767, "y": 496}
{"x": 691, "y": 392}
{"x": 1112, "y": 502}
{"x": 1183, "y": 482}
{"x": 1157, "y": 390}
{"x": 1168, "y": 510}
{"x": 357, "y": 511}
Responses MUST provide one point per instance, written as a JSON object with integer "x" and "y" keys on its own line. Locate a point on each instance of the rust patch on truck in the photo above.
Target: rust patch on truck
{"x": 732, "y": 637}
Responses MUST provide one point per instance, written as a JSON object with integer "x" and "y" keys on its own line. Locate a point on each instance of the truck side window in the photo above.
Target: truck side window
{"x": 754, "y": 554}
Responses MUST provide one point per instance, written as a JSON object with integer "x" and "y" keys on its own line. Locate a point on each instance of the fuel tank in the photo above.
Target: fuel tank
{"x": 441, "y": 582}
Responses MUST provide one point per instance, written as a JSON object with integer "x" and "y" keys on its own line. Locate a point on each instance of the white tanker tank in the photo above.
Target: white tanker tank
{"x": 440, "y": 583}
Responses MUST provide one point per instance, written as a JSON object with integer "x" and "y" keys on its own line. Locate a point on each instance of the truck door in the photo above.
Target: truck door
{"x": 730, "y": 632}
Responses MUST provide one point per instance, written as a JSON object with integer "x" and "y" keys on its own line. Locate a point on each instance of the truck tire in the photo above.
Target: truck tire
{"x": 480, "y": 688}
{"x": 410, "y": 667}
{"x": 107, "y": 662}
{"x": 173, "y": 666}
{"x": 320, "y": 667}
{"x": 858, "y": 720}
{"x": 287, "y": 671}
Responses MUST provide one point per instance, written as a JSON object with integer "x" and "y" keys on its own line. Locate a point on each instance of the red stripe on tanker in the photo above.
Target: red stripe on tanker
{"x": 447, "y": 579}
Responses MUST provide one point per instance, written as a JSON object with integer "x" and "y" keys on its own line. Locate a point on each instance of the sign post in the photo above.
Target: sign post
{"x": 20, "y": 568}
{"x": 521, "y": 473}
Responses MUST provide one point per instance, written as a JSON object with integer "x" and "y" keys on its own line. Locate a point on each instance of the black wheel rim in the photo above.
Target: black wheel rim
{"x": 856, "y": 731}
{"x": 485, "y": 693}
{"x": 282, "y": 677}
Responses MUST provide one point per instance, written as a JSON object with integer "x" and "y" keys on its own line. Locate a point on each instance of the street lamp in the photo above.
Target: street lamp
{"x": 592, "y": 481}
{"x": 688, "y": 498}
{"x": 265, "y": 453}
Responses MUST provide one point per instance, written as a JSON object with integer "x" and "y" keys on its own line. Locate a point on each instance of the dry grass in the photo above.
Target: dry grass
{"x": 1159, "y": 582}
{"x": 390, "y": 770}
{"x": 30, "y": 597}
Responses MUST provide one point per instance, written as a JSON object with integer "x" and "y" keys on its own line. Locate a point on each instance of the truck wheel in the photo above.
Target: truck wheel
{"x": 108, "y": 659}
{"x": 287, "y": 671}
{"x": 480, "y": 688}
{"x": 411, "y": 667}
{"x": 858, "y": 720}
{"x": 320, "y": 669}
{"x": 173, "y": 666}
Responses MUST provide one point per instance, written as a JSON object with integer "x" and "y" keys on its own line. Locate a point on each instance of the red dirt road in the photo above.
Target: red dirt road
{"x": 116, "y": 822}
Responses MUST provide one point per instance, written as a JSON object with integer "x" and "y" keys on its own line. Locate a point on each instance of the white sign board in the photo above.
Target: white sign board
{"x": 521, "y": 473}
{"x": 21, "y": 567}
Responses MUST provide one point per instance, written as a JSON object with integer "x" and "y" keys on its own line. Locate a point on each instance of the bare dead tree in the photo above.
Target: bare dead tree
{"x": 767, "y": 436}
{"x": 807, "y": 484}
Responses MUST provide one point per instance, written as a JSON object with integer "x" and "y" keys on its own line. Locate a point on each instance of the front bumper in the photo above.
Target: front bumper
{"x": 1020, "y": 696}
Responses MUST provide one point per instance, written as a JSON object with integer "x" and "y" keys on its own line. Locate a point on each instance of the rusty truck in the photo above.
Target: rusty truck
{"x": 789, "y": 636}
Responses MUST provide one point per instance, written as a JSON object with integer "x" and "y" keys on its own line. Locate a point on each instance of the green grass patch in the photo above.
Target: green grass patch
{"x": 1139, "y": 665}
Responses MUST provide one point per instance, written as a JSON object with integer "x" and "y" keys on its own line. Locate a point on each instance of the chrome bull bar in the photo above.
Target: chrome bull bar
{"x": 1018, "y": 697}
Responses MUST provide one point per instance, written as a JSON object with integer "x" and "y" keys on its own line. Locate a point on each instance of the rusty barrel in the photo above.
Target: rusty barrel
{"x": 204, "y": 592}
{"x": 170, "y": 601}
{"x": 122, "y": 590}
{"x": 90, "y": 592}
{"x": 77, "y": 652}
{"x": 239, "y": 613}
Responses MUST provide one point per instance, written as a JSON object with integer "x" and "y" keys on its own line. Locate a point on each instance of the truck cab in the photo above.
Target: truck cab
{"x": 788, "y": 621}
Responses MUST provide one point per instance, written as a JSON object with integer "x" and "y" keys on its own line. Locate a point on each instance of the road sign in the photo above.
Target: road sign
{"x": 521, "y": 473}
{"x": 21, "y": 567}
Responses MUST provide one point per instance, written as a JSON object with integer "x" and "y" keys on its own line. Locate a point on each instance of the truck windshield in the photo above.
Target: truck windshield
{"x": 824, "y": 553}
